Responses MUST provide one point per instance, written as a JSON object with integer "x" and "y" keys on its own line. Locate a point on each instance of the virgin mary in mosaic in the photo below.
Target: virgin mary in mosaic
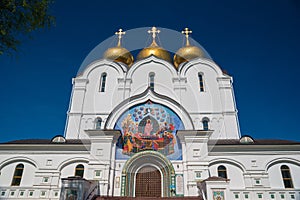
{"x": 149, "y": 126}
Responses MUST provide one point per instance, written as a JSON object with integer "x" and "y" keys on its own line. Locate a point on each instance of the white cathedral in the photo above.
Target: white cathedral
{"x": 151, "y": 127}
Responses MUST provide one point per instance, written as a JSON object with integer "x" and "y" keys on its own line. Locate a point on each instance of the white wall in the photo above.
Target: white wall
{"x": 182, "y": 86}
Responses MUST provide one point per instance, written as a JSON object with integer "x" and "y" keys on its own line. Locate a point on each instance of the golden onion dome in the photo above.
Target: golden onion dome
{"x": 188, "y": 52}
{"x": 118, "y": 53}
{"x": 154, "y": 49}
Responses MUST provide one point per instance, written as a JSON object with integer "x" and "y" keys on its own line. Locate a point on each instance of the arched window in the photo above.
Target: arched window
{"x": 205, "y": 121}
{"x": 17, "y": 175}
{"x": 151, "y": 80}
{"x": 103, "y": 82}
{"x": 222, "y": 171}
{"x": 79, "y": 170}
{"x": 98, "y": 123}
{"x": 286, "y": 176}
{"x": 201, "y": 82}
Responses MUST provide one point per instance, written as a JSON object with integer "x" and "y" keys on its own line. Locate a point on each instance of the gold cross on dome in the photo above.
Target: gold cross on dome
{"x": 186, "y": 32}
{"x": 154, "y": 31}
{"x": 120, "y": 33}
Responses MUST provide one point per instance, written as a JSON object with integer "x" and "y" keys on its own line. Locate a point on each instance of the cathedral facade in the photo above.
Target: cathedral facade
{"x": 151, "y": 126}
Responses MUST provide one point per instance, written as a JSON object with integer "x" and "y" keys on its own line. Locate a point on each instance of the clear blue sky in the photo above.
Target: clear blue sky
{"x": 256, "y": 41}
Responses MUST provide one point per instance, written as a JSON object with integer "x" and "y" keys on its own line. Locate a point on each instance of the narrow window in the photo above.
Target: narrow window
{"x": 286, "y": 176}
{"x": 98, "y": 123}
{"x": 12, "y": 193}
{"x": 43, "y": 193}
{"x": 79, "y": 170}
{"x": 257, "y": 182}
{"x": 17, "y": 175}
{"x": 45, "y": 179}
{"x": 97, "y": 173}
{"x": 222, "y": 171}
{"x": 21, "y": 193}
{"x": 205, "y": 123}
{"x": 30, "y": 193}
{"x": 198, "y": 174}
{"x": 103, "y": 82}
{"x": 201, "y": 84}
{"x": 151, "y": 80}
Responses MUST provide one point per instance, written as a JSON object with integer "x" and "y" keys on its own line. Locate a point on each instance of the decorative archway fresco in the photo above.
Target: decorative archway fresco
{"x": 149, "y": 126}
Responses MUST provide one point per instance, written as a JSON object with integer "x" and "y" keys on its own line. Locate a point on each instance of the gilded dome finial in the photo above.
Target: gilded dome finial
{"x": 120, "y": 33}
{"x": 186, "y": 32}
{"x": 154, "y": 49}
{"x": 154, "y": 31}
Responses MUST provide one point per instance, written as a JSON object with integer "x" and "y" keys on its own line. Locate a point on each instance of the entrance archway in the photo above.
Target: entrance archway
{"x": 148, "y": 182}
{"x": 146, "y": 161}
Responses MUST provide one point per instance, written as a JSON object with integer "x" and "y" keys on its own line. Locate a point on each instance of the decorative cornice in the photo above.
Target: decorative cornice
{"x": 103, "y": 135}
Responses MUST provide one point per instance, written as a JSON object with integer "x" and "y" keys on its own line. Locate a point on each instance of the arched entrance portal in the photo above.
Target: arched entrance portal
{"x": 148, "y": 182}
{"x": 148, "y": 174}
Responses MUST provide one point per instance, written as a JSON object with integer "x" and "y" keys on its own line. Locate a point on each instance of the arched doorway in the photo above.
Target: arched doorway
{"x": 148, "y": 182}
{"x": 148, "y": 164}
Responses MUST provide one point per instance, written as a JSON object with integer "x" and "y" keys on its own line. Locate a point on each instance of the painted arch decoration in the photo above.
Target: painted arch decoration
{"x": 149, "y": 127}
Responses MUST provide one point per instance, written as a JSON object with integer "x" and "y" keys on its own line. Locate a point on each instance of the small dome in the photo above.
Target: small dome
{"x": 154, "y": 50}
{"x": 187, "y": 53}
{"x": 246, "y": 139}
{"x": 119, "y": 54}
{"x": 58, "y": 139}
